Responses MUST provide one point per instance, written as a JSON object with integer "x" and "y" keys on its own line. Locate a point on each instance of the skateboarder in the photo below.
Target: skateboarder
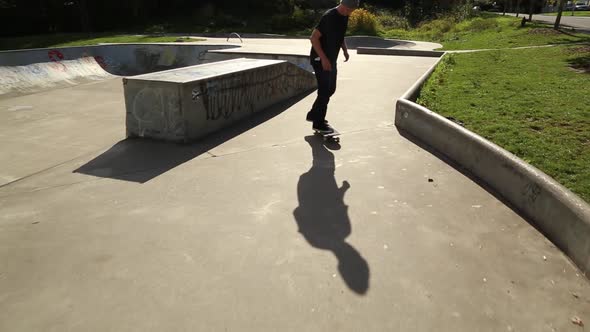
{"x": 327, "y": 39}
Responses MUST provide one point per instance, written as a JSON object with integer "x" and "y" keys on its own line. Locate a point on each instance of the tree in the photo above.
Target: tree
{"x": 559, "y": 13}
{"x": 84, "y": 16}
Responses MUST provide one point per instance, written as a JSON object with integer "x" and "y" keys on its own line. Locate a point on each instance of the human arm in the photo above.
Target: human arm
{"x": 345, "y": 50}
{"x": 317, "y": 46}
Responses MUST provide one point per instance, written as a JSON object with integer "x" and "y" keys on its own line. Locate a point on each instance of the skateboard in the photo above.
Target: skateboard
{"x": 333, "y": 136}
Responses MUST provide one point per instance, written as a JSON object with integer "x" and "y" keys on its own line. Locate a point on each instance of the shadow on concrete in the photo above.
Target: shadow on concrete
{"x": 323, "y": 219}
{"x": 141, "y": 160}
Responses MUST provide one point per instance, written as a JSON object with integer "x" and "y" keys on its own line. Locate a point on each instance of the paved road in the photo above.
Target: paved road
{"x": 580, "y": 23}
{"x": 262, "y": 227}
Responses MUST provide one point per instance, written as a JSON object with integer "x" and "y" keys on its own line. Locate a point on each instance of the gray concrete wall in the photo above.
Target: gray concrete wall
{"x": 117, "y": 59}
{"x": 188, "y": 103}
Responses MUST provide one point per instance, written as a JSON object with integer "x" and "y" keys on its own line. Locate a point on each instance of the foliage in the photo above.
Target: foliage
{"x": 486, "y": 31}
{"x": 388, "y": 19}
{"x": 21, "y": 17}
{"x": 362, "y": 22}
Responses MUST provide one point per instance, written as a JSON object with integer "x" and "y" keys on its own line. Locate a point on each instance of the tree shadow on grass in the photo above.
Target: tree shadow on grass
{"x": 581, "y": 62}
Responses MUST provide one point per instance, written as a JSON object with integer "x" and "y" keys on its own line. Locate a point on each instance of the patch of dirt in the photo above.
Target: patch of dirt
{"x": 582, "y": 67}
{"x": 544, "y": 31}
{"x": 581, "y": 60}
{"x": 580, "y": 70}
{"x": 580, "y": 49}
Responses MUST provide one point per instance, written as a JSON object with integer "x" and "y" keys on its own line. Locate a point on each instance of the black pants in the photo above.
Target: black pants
{"x": 326, "y": 88}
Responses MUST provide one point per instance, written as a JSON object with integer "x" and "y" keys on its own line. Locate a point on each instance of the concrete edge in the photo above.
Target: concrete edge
{"x": 562, "y": 216}
{"x": 146, "y": 77}
{"x": 240, "y": 52}
{"x": 414, "y": 90}
{"x": 398, "y": 51}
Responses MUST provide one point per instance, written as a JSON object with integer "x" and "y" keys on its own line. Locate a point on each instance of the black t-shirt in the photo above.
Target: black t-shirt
{"x": 333, "y": 28}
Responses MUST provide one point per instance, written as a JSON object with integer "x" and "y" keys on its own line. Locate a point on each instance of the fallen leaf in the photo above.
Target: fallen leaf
{"x": 576, "y": 320}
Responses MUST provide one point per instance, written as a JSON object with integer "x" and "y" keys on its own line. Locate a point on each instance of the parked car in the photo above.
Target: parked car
{"x": 578, "y": 7}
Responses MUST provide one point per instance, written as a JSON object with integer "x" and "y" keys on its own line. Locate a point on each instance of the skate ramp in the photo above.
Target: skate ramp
{"x": 117, "y": 59}
{"x": 30, "y": 71}
{"x": 19, "y": 80}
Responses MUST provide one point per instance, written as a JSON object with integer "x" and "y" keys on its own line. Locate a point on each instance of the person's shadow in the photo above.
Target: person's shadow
{"x": 323, "y": 219}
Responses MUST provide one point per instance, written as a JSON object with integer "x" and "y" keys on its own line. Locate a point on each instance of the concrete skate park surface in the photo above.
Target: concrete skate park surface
{"x": 261, "y": 226}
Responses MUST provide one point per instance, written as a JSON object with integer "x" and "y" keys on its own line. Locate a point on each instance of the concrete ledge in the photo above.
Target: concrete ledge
{"x": 398, "y": 51}
{"x": 301, "y": 61}
{"x": 185, "y": 104}
{"x": 355, "y": 42}
{"x": 561, "y": 215}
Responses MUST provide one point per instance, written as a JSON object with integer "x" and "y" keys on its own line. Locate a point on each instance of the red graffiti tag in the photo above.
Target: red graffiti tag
{"x": 56, "y": 57}
{"x": 100, "y": 60}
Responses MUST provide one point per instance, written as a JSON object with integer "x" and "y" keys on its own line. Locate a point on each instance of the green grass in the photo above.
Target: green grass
{"x": 486, "y": 32}
{"x": 62, "y": 40}
{"x": 585, "y": 13}
{"x": 531, "y": 102}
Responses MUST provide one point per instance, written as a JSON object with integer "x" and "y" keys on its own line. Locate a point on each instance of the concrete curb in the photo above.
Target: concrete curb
{"x": 561, "y": 215}
{"x": 398, "y": 51}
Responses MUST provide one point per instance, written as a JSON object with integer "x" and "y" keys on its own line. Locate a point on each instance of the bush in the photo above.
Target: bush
{"x": 464, "y": 11}
{"x": 362, "y": 22}
{"x": 389, "y": 20}
{"x": 438, "y": 26}
{"x": 481, "y": 24}
{"x": 300, "y": 19}
{"x": 281, "y": 22}
{"x": 305, "y": 18}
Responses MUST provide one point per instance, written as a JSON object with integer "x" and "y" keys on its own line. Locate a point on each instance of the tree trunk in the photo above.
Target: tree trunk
{"x": 84, "y": 16}
{"x": 137, "y": 12}
{"x": 531, "y": 9}
{"x": 559, "y": 13}
{"x": 517, "y": 8}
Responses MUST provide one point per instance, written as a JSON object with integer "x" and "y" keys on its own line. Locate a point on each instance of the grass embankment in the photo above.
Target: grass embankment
{"x": 533, "y": 102}
{"x": 488, "y": 31}
{"x": 63, "y": 40}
